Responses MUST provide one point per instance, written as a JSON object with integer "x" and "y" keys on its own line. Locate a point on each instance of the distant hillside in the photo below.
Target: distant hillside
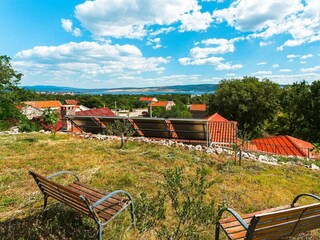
{"x": 200, "y": 88}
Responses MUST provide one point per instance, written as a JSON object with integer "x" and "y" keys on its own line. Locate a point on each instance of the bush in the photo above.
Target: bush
{"x": 179, "y": 211}
{"x": 28, "y": 126}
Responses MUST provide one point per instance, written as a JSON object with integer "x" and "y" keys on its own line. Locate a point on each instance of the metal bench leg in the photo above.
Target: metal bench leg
{"x": 217, "y": 235}
{"x": 100, "y": 231}
{"x": 45, "y": 202}
{"x": 132, "y": 214}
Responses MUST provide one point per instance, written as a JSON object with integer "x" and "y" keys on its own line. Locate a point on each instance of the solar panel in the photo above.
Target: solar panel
{"x": 87, "y": 124}
{"x": 153, "y": 127}
{"x": 190, "y": 129}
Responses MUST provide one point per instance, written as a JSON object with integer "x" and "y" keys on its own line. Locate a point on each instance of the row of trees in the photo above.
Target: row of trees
{"x": 264, "y": 107}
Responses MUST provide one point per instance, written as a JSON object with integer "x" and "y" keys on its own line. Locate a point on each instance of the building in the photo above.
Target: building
{"x": 284, "y": 145}
{"x": 222, "y": 131}
{"x": 165, "y": 104}
{"x": 198, "y": 110}
{"x": 44, "y": 104}
{"x": 71, "y": 102}
{"x": 148, "y": 99}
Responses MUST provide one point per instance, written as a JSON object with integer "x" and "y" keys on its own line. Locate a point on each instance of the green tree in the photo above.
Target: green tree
{"x": 9, "y": 93}
{"x": 50, "y": 118}
{"x": 122, "y": 128}
{"x": 314, "y": 112}
{"x": 292, "y": 119}
{"x": 248, "y": 101}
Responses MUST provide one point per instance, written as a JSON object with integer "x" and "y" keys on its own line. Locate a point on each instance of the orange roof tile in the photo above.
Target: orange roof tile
{"x": 216, "y": 118}
{"x": 96, "y": 112}
{"x": 44, "y": 104}
{"x": 71, "y": 102}
{"x": 147, "y": 99}
{"x": 198, "y": 107}
{"x": 159, "y": 104}
{"x": 223, "y": 131}
{"x": 283, "y": 145}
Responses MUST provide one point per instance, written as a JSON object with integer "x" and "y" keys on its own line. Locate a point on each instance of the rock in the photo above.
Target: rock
{"x": 198, "y": 148}
{"x": 314, "y": 167}
{"x": 14, "y": 129}
{"x": 219, "y": 150}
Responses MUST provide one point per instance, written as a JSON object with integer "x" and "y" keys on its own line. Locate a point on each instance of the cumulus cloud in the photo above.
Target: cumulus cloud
{"x": 87, "y": 59}
{"x": 67, "y": 26}
{"x": 310, "y": 70}
{"x": 261, "y": 63}
{"x": 275, "y": 65}
{"x": 203, "y": 55}
{"x": 285, "y": 70}
{"x": 291, "y": 56}
{"x": 131, "y": 19}
{"x": 262, "y": 73}
{"x": 298, "y": 18}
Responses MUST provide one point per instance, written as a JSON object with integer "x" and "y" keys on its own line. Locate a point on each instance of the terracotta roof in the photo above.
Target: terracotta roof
{"x": 159, "y": 104}
{"x": 96, "y": 112}
{"x": 283, "y": 145}
{"x": 71, "y": 102}
{"x": 44, "y": 104}
{"x": 216, "y": 118}
{"x": 147, "y": 99}
{"x": 198, "y": 107}
{"x": 223, "y": 131}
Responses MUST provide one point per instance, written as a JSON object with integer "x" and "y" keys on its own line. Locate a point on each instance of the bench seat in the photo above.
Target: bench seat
{"x": 98, "y": 205}
{"x": 271, "y": 224}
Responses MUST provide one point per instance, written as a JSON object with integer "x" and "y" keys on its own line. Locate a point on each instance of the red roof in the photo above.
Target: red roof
{"x": 198, "y": 107}
{"x": 216, "y": 118}
{"x": 159, "y": 104}
{"x": 284, "y": 145}
{"x": 223, "y": 132}
{"x": 44, "y": 104}
{"x": 71, "y": 102}
{"x": 106, "y": 112}
{"x": 147, "y": 99}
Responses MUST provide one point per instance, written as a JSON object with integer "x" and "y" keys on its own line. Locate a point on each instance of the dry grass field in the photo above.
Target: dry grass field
{"x": 137, "y": 168}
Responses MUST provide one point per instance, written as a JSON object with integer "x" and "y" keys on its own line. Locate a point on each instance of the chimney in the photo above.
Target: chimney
{"x": 67, "y": 110}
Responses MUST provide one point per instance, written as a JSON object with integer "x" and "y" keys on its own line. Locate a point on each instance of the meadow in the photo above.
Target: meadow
{"x": 137, "y": 168}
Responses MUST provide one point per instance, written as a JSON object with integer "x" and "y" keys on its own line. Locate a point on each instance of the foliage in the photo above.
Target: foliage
{"x": 178, "y": 111}
{"x": 50, "y": 118}
{"x": 9, "y": 93}
{"x": 249, "y": 101}
{"x": 122, "y": 128}
{"x": 28, "y": 126}
{"x": 190, "y": 215}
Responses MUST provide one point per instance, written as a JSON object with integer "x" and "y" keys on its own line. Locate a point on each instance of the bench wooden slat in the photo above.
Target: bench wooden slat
{"x": 274, "y": 223}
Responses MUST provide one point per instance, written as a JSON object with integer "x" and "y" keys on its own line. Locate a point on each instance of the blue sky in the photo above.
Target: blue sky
{"x": 140, "y": 43}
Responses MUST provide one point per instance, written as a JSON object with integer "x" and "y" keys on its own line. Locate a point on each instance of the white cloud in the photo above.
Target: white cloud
{"x": 131, "y": 19}
{"x": 155, "y": 43}
{"x": 306, "y": 56}
{"x": 263, "y": 44}
{"x": 285, "y": 70}
{"x": 262, "y": 73}
{"x": 310, "y": 70}
{"x": 87, "y": 59}
{"x": 299, "y": 19}
{"x": 66, "y": 25}
{"x": 275, "y": 65}
{"x": 214, "y": 46}
{"x": 162, "y": 31}
{"x": 231, "y": 74}
{"x": 196, "y": 21}
{"x": 261, "y": 63}
{"x": 293, "y": 56}
{"x": 303, "y": 62}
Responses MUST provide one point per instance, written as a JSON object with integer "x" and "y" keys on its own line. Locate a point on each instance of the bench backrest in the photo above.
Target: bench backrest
{"x": 62, "y": 193}
{"x": 284, "y": 223}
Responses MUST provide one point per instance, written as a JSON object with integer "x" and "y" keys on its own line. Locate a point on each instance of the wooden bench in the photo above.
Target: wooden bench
{"x": 100, "y": 206}
{"x": 275, "y": 223}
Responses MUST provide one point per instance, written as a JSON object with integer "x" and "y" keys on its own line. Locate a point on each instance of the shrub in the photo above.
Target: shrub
{"x": 179, "y": 211}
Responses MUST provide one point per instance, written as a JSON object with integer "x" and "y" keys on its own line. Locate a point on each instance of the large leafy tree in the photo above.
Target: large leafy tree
{"x": 249, "y": 101}
{"x": 314, "y": 112}
{"x": 9, "y": 92}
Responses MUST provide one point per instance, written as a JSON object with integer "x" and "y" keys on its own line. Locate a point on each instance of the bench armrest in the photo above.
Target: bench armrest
{"x": 109, "y": 195}
{"x": 63, "y": 172}
{"x": 235, "y": 214}
{"x": 304, "y": 194}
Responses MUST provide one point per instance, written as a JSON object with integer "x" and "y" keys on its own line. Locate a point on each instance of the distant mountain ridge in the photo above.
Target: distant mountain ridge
{"x": 205, "y": 88}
